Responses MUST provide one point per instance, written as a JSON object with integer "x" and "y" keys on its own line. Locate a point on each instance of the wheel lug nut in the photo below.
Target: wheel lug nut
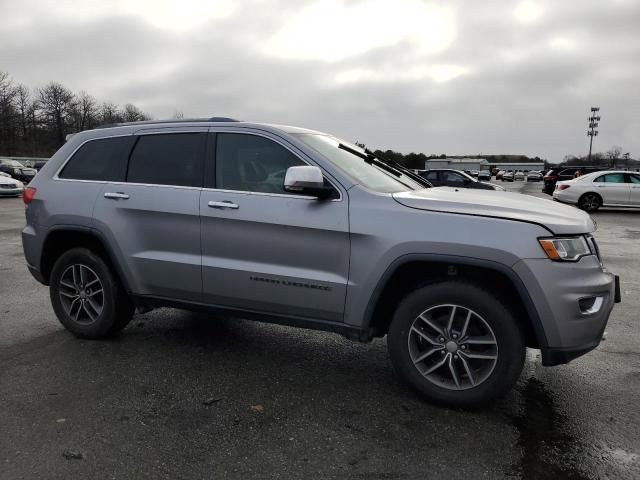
{"x": 455, "y": 335}
{"x": 441, "y": 339}
{"x": 464, "y": 347}
{"x": 441, "y": 352}
{"x": 455, "y": 356}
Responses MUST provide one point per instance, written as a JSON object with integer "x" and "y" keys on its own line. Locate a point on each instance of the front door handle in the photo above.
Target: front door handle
{"x": 116, "y": 195}
{"x": 224, "y": 204}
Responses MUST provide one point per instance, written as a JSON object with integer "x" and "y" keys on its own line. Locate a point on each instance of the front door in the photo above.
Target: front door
{"x": 265, "y": 249}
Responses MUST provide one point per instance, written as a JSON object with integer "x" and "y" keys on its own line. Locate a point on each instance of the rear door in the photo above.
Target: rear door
{"x": 634, "y": 192}
{"x": 265, "y": 249}
{"x": 613, "y": 188}
{"x": 152, "y": 218}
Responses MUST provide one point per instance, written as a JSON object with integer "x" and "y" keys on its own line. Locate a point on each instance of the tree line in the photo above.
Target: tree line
{"x": 35, "y": 122}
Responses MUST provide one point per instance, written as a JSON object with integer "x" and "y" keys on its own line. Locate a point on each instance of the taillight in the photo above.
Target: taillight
{"x": 563, "y": 187}
{"x": 28, "y": 194}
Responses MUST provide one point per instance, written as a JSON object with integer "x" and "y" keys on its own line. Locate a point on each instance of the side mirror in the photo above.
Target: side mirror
{"x": 306, "y": 180}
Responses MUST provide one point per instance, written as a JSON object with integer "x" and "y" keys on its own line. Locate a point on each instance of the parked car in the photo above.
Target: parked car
{"x": 518, "y": 176}
{"x": 474, "y": 173}
{"x": 499, "y": 174}
{"x": 615, "y": 188}
{"x": 10, "y": 186}
{"x": 36, "y": 164}
{"x": 189, "y": 214}
{"x": 455, "y": 178}
{"x": 484, "y": 175}
{"x": 534, "y": 177}
{"x": 16, "y": 170}
{"x": 565, "y": 173}
{"x": 508, "y": 176}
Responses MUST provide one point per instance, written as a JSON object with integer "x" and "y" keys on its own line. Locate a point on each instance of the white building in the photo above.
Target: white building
{"x": 457, "y": 163}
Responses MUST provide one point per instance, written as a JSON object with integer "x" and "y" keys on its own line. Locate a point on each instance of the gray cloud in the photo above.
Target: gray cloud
{"x": 527, "y": 87}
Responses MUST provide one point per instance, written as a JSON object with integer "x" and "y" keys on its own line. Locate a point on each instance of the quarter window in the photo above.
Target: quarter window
{"x": 250, "y": 163}
{"x": 168, "y": 159}
{"x": 100, "y": 160}
{"x": 634, "y": 178}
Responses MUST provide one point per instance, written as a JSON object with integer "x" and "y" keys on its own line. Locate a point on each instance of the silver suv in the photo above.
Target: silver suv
{"x": 293, "y": 226}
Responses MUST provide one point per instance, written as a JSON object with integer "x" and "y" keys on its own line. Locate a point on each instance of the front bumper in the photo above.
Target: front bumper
{"x": 558, "y": 290}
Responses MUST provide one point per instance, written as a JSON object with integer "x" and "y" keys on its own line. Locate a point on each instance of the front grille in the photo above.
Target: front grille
{"x": 7, "y": 186}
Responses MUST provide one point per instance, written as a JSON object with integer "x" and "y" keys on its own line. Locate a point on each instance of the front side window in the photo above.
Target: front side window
{"x": 611, "y": 178}
{"x": 100, "y": 160}
{"x": 250, "y": 163}
{"x": 168, "y": 159}
{"x": 431, "y": 176}
{"x": 453, "y": 178}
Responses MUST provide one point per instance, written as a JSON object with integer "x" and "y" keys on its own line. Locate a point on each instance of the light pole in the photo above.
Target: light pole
{"x": 592, "y": 132}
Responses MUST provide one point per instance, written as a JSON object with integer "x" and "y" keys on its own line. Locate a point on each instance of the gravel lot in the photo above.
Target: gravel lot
{"x": 179, "y": 395}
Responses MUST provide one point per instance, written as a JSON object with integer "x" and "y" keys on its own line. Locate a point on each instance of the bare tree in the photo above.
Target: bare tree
{"x": 56, "y": 103}
{"x": 109, "y": 113}
{"x": 133, "y": 114}
{"x": 23, "y": 102}
{"x": 614, "y": 153}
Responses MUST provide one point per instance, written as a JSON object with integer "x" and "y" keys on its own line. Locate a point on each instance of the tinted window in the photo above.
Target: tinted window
{"x": 431, "y": 176}
{"x": 453, "y": 178}
{"x": 251, "y": 163}
{"x": 634, "y": 178}
{"x": 168, "y": 159}
{"x": 104, "y": 159}
{"x": 611, "y": 178}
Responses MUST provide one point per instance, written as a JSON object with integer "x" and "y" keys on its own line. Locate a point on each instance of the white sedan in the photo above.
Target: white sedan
{"x": 10, "y": 186}
{"x": 600, "y": 189}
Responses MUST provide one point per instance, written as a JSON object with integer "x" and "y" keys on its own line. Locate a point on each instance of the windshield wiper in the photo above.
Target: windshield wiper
{"x": 406, "y": 171}
{"x": 371, "y": 159}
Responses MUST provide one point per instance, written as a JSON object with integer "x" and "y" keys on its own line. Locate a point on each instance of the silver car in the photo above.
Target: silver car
{"x": 289, "y": 225}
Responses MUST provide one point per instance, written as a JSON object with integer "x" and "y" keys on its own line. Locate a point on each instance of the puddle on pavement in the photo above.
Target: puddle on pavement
{"x": 550, "y": 449}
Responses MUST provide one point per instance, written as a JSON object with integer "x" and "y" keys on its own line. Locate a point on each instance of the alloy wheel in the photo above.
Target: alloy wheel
{"x": 453, "y": 347}
{"x": 81, "y": 294}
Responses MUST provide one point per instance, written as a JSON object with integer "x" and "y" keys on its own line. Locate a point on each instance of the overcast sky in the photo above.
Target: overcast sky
{"x": 459, "y": 77}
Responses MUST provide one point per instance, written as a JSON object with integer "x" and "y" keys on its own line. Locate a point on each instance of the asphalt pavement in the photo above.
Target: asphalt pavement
{"x": 182, "y": 395}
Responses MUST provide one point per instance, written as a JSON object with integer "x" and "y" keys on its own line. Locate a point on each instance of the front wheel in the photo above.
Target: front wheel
{"x": 456, "y": 344}
{"x": 86, "y": 295}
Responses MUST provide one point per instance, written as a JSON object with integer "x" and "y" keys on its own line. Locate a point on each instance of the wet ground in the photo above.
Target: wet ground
{"x": 180, "y": 395}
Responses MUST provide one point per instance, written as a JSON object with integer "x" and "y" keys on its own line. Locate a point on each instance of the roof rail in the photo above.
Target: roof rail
{"x": 223, "y": 119}
{"x": 175, "y": 120}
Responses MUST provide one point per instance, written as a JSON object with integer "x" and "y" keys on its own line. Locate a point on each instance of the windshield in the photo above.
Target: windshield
{"x": 11, "y": 163}
{"x": 365, "y": 173}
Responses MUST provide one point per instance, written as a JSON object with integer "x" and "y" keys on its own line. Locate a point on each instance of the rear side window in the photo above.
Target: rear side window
{"x": 168, "y": 159}
{"x": 634, "y": 178}
{"x": 100, "y": 160}
{"x": 611, "y": 178}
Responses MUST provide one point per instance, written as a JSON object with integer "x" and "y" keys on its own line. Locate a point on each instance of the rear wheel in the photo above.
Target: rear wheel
{"x": 590, "y": 202}
{"x": 456, "y": 344}
{"x": 86, "y": 295}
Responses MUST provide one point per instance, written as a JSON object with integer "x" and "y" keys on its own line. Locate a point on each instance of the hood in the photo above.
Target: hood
{"x": 8, "y": 181}
{"x": 556, "y": 217}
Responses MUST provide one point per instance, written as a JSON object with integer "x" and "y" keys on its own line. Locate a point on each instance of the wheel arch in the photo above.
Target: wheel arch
{"x": 62, "y": 238}
{"x": 411, "y": 271}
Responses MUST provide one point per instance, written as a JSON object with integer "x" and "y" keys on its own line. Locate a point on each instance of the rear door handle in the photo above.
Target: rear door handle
{"x": 224, "y": 204}
{"x": 116, "y": 195}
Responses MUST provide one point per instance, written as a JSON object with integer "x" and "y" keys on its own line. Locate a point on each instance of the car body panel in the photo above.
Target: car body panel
{"x": 556, "y": 218}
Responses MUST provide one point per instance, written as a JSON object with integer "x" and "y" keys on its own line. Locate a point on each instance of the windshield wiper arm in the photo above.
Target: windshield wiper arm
{"x": 414, "y": 176}
{"x": 371, "y": 159}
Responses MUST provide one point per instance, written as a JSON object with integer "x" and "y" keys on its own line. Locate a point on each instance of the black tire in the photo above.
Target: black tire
{"x": 590, "y": 202}
{"x": 117, "y": 308}
{"x": 510, "y": 344}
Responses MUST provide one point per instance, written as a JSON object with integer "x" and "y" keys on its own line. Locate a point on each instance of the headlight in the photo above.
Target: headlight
{"x": 19, "y": 185}
{"x": 567, "y": 249}
{"x": 16, "y": 171}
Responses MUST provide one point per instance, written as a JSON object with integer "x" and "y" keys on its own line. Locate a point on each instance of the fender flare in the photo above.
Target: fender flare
{"x": 517, "y": 282}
